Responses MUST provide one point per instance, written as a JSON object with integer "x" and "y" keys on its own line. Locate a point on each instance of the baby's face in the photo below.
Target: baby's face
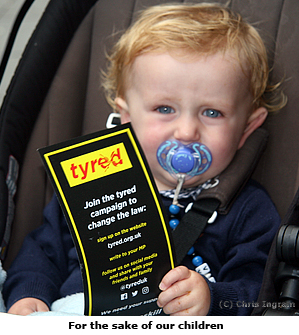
{"x": 202, "y": 99}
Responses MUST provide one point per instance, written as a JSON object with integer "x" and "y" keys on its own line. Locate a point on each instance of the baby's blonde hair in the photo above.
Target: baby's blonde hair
{"x": 202, "y": 29}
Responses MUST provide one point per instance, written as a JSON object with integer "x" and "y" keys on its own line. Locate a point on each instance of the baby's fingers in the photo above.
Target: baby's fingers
{"x": 174, "y": 299}
{"x": 174, "y": 275}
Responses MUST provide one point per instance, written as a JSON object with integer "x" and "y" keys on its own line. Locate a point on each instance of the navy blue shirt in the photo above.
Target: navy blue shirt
{"x": 235, "y": 247}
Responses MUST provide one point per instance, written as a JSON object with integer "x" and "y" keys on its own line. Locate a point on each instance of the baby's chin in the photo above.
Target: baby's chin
{"x": 171, "y": 183}
{"x": 192, "y": 183}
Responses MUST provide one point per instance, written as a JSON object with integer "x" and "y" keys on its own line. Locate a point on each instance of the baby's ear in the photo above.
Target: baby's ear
{"x": 123, "y": 109}
{"x": 255, "y": 120}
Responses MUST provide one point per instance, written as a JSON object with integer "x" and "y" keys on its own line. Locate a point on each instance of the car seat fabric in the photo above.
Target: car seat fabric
{"x": 75, "y": 95}
{"x": 27, "y": 91}
{"x": 278, "y": 169}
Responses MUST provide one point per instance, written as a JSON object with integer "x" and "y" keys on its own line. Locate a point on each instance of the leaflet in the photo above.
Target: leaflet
{"x": 116, "y": 218}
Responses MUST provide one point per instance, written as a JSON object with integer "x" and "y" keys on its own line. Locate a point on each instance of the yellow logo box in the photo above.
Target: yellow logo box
{"x": 96, "y": 164}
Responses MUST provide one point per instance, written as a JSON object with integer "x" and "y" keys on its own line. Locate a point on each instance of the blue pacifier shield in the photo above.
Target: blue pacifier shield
{"x": 182, "y": 160}
{"x": 192, "y": 159}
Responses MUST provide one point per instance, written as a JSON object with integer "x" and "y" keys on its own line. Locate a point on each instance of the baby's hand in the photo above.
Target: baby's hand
{"x": 184, "y": 292}
{"x": 27, "y": 306}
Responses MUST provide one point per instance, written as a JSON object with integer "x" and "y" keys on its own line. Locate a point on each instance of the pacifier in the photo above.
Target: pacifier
{"x": 190, "y": 160}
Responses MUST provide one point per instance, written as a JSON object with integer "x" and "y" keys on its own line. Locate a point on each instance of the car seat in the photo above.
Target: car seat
{"x": 55, "y": 95}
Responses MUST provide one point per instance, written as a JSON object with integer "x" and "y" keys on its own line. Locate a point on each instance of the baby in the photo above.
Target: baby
{"x": 190, "y": 75}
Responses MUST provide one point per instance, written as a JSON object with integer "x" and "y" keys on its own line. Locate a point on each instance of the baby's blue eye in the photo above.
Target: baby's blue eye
{"x": 165, "y": 110}
{"x": 211, "y": 113}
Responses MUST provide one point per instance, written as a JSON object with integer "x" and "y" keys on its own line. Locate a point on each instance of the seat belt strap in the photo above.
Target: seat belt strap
{"x": 192, "y": 225}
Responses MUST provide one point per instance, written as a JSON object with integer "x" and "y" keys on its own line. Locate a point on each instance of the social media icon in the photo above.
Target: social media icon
{"x": 145, "y": 290}
{"x": 134, "y": 293}
{"x": 124, "y": 296}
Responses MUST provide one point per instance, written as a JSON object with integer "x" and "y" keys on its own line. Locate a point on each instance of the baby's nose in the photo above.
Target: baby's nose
{"x": 187, "y": 131}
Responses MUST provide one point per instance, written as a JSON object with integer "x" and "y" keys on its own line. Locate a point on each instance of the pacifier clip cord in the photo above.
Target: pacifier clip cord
{"x": 174, "y": 209}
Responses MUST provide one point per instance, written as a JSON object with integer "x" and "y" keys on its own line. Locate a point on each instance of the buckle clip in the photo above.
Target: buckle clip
{"x": 113, "y": 120}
